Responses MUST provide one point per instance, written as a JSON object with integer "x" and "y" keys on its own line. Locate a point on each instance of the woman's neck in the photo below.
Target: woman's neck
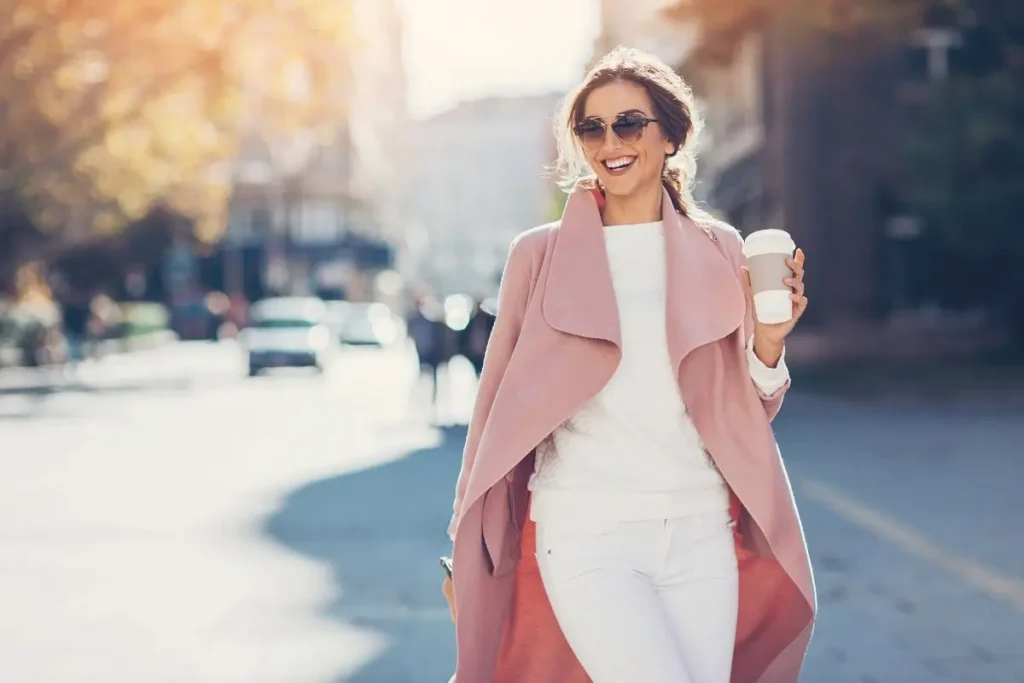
{"x": 642, "y": 206}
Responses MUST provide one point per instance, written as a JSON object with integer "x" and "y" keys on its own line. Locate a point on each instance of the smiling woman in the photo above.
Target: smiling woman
{"x": 653, "y": 537}
{"x": 654, "y": 126}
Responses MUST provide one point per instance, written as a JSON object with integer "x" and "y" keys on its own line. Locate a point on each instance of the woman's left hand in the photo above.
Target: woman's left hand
{"x": 448, "y": 588}
{"x": 769, "y": 338}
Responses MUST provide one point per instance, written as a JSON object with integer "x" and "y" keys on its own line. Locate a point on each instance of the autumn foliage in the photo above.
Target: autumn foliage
{"x": 108, "y": 108}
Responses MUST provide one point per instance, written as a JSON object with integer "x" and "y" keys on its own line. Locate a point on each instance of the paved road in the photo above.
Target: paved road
{"x": 169, "y": 521}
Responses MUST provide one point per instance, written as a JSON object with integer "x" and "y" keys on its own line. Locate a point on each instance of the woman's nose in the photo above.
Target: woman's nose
{"x": 611, "y": 141}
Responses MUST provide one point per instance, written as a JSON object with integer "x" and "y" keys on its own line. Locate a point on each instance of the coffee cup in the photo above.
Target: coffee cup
{"x": 766, "y": 252}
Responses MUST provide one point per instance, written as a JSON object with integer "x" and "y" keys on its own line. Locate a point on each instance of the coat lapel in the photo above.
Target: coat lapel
{"x": 704, "y": 298}
{"x": 579, "y": 298}
{"x": 553, "y": 375}
{"x": 567, "y": 351}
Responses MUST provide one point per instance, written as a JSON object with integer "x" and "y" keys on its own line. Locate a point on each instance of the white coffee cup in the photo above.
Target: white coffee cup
{"x": 766, "y": 252}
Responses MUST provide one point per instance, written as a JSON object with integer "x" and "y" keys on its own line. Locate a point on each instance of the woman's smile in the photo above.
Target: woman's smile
{"x": 619, "y": 165}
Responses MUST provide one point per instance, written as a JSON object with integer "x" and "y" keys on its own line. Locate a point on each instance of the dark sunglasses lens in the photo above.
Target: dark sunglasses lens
{"x": 629, "y": 129}
{"x": 590, "y": 133}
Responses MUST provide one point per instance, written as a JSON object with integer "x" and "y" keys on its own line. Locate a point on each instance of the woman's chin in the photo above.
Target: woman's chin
{"x": 621, "y": 187}
{"x": 618, "y": 186}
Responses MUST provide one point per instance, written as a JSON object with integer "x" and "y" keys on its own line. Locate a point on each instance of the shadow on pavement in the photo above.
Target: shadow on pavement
{"x": 73, "y": 387}
{"x": 381, "y": 530}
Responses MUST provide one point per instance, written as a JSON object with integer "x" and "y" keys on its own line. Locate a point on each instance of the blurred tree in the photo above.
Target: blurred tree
{"x": 966, "y": 159}
{"x": 724, "y": 24}
{"x": 18, "y": 237}
{"x": 109, "y": 107}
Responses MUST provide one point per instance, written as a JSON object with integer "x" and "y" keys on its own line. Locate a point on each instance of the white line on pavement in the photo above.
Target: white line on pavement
{"x": 1003, "y": 588}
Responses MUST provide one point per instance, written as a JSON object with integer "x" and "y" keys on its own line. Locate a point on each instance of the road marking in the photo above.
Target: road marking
{"x": 1003, "y": 588}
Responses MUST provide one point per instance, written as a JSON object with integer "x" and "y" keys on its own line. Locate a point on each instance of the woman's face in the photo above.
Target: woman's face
{"x": 623, "y": 166}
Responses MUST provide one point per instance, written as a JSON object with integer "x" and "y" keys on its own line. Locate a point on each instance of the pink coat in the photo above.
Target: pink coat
{"x": 555, "y": 344}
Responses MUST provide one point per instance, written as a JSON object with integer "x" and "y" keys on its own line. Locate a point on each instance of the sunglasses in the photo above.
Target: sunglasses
{"x": 628, "y": 127}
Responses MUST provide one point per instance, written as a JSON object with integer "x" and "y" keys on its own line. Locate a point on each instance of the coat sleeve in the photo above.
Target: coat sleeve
{"x": 760, "y": 376}
{"x": 772, "y": 402}
{"x": 512, "y": 300}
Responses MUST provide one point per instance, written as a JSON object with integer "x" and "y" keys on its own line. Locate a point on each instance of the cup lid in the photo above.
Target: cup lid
{"x": 768, "y": 241}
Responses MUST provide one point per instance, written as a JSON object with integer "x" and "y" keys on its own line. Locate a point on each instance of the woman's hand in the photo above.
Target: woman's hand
{"x": 449, "y": 594}
{"x": 769, "y": 339}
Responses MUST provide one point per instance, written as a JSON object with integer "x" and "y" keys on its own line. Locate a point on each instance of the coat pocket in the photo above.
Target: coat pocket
{"x": 500, "y": 539}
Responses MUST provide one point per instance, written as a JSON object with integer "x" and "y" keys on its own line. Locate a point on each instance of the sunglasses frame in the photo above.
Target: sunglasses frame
{"x": 630, "y": 117}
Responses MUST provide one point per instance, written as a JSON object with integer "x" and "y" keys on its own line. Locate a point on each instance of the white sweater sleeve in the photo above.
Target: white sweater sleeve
{"x": 768, "y": 380}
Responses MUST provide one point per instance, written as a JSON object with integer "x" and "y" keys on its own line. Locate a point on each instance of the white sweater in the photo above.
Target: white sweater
{"x": 633, "y": 453}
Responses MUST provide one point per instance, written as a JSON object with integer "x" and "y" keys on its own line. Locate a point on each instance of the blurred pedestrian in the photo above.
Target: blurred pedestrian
{"x": 76, "y": 316}
{"x": 105, "y": 320}
{"x": 622, "y": 513}
{"x": 238, "y": 312}
{"x": 473, "y": 338}
{"x": 219, "y": 324}
{"x": 428, "y": 331}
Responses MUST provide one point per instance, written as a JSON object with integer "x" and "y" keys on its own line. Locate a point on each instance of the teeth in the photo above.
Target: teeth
{"x": 618, "y": 163}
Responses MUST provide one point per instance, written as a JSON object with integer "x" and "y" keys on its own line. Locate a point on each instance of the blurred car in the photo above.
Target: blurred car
{"x": 337, "y": 312}
{"x": 367, "y": 324}
{"x": 192, "y": 320}
{"x": 287, "y": 332}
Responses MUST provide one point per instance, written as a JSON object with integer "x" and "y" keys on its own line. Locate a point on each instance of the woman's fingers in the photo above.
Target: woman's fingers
{"x": 449, "y": 594}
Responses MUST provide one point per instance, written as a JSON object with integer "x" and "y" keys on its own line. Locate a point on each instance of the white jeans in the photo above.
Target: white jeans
{"x": 652, "y": 601}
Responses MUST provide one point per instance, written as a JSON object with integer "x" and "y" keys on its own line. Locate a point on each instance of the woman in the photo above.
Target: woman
{"x": 622, "y": 513}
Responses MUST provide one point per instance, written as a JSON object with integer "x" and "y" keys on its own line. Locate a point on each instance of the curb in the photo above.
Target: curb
{"x": 10, "y": 358}
{"x": 144, "y": 342}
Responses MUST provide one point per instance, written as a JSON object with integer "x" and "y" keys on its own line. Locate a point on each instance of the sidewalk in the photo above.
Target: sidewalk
{"x": 140, "y": 366}
{"x": 16, "y": 377}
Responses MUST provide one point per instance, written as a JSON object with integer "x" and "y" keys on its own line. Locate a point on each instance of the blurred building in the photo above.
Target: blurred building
{"x": 812, "y": 145}
{"x": 796, "y": 144}
{"x": 316, "y": 214}
{"x": 641, "y": 24}
{"x": 478, "y": 180}
{"x": 379, "y": 120}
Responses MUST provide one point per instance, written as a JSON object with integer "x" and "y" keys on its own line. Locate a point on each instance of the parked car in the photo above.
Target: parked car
{"x": 367, "y": 324}
{"x": 288, "y": 332}
{"x": 337, "y": 313}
